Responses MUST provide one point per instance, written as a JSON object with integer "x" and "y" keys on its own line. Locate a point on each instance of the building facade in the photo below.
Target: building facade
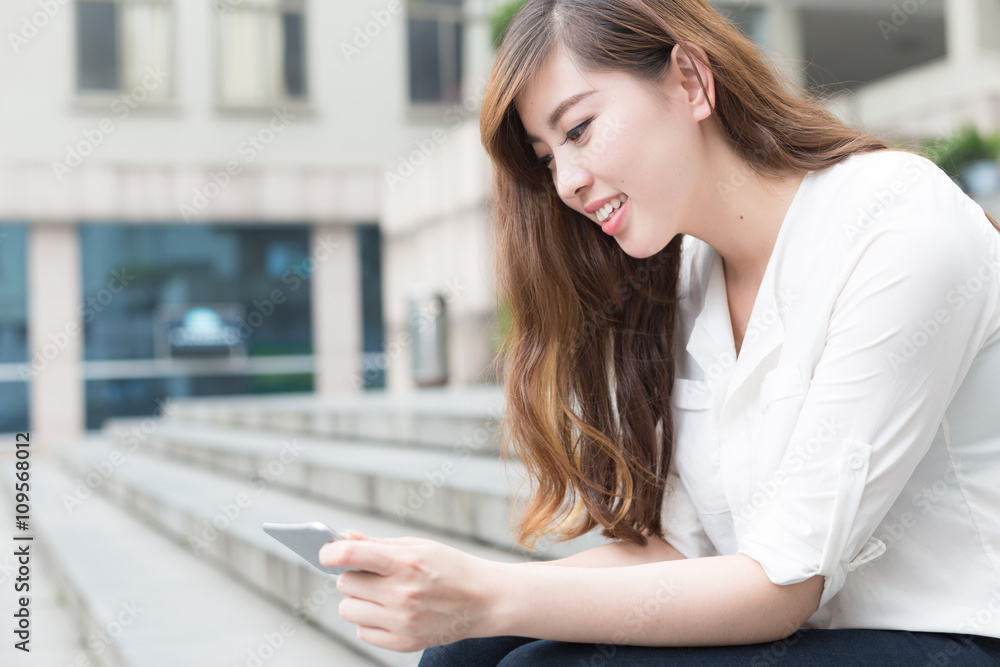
{"x": 246, "y": 196}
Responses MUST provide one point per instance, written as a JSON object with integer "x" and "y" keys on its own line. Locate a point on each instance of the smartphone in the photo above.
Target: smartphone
{"x": 305, "y": 539}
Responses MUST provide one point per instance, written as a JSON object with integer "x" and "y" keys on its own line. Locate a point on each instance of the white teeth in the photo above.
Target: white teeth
{"x": 605, "y": 211}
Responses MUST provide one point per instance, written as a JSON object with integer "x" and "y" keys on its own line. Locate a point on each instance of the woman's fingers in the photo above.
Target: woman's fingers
{"x": 405, "y": 541}
{"x": 366, "y": 586}
{"x": 362, "y": 612}
{"x": 363, "y": 554}
{"x": 352, "y": 534}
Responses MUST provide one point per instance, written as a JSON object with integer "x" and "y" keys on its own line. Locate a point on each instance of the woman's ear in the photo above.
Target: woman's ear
{"x": 689, "y": 65}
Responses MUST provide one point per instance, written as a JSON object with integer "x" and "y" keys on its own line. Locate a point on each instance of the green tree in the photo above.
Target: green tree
{"x": 501, "y": 19}
{"x": 962, "y": 147}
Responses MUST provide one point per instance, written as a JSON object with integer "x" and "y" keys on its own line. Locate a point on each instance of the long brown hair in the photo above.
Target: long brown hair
{"x": 587, "y": 366}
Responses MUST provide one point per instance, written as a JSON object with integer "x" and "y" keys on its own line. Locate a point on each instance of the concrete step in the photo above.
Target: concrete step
{"x": 444, "y": 418}
{"x": 455, "y": 493}
{"x": 55, "y": 636}
{"x": 219, "y": 518}
{"x": 143, "y": 601}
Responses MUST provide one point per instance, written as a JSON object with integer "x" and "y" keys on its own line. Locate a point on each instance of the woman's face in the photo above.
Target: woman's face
{"x": 614, "y": 139}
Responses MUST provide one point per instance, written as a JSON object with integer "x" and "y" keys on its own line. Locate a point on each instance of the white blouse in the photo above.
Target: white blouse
{"x": 857, "y": 435}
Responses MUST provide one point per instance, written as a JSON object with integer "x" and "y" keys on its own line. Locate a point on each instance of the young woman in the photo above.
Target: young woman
{"x": 758, "y": 348}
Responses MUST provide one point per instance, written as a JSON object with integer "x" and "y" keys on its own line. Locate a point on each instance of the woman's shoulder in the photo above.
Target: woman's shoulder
{"x": 853, "y": 201}
{"x": 865, "y": 186}
{"x": 881, "y": 161}
{"x": 874, "y": 179}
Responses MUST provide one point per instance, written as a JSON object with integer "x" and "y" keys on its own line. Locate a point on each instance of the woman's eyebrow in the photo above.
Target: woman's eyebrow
{"x": 560, "y": 109}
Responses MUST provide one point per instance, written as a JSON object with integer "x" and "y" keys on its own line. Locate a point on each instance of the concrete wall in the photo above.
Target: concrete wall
{"x": 934, "y": 98}
{"x": 355, "y": 151}
{"x": 347, "y": 122}
{"x": 436, "y": 234}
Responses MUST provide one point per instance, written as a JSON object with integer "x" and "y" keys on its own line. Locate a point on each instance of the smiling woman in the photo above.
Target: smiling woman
{"x": 744, "y": 337}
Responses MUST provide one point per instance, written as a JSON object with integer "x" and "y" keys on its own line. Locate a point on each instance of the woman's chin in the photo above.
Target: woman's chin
{"x": 636, "y": 248}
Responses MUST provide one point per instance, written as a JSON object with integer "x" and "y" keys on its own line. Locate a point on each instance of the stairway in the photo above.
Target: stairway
{"x": 150, "y": 528}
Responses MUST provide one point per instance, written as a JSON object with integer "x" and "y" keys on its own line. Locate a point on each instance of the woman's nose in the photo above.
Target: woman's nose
{"x": 572, "y": 178}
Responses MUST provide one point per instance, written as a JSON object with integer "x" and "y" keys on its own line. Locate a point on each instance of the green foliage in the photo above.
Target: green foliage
{"x": 501, "y": 19}
{"x": 284, "y": 382}
{"x": 503, "y": 323}
{"x": 962, "y": 147}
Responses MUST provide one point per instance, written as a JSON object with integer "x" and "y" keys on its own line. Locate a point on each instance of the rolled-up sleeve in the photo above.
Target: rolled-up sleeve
{"x": 917, "y": 304}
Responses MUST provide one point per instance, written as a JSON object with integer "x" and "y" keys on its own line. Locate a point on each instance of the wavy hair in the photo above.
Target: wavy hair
{"x": 588, "y": 362}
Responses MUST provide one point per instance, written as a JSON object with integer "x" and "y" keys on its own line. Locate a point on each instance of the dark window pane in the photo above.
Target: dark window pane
{"x": 263, "y": 272}
{"x": 294, "y": 57}
{"x": 452, "y": 55}
{"x": 13, "y": 325}
{"x": 435, "y": 48}
{"x": 13, "y": 407}
{"x": 750, "y": 20}
{"x": 97, "y": 45}
{"x": 178, "y": 268}
{"x": 373, "y": 328}
{"x": 13, "y": 295}
{"x": 425, "y": 61}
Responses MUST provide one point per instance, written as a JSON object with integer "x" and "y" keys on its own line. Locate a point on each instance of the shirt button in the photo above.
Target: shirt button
{"x": 855, "y": 461}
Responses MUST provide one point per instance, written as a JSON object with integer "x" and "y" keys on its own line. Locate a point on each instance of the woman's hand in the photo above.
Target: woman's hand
{"x": 413, "y": 593}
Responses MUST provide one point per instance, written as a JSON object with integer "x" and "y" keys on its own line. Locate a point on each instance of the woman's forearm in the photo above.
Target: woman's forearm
{"x": 718, "y": 600}
{"x": 618, "y": 554}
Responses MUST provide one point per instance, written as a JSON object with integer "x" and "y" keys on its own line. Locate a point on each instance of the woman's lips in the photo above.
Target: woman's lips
{"x": 614, "y": 223}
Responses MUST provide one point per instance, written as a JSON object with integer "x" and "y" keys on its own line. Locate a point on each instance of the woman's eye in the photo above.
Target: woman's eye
{"x": 573, "y": 135}
{"x": 543, "y": 162}
{"x": 577, "y": 131}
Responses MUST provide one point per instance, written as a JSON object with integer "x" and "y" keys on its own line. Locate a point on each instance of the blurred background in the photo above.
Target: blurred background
{"x": 248, "y": 242}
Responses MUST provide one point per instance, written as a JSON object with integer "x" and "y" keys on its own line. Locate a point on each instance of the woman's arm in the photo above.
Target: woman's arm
{"x": 716, "y": 600}
{"x": 411, "y": 593}
{"x": 618, "y": 553}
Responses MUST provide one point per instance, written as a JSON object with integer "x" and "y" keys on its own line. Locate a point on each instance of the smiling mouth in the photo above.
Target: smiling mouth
{"x": 606, "y": 211}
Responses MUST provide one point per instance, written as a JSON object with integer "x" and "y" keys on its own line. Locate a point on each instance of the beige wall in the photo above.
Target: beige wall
{"x": 55, "y": 334}
{"x": 336, "y": 309}
{"x": 436, "y": 235}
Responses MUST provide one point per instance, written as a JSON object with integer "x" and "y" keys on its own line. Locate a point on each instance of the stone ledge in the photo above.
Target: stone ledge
{"x": 157, "y": 604}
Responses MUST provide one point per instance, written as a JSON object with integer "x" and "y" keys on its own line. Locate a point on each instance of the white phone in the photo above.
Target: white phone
{"x": 305, "y": 539}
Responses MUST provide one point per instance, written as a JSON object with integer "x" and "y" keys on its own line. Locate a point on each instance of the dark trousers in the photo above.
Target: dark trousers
{"x": 809, "y": 647}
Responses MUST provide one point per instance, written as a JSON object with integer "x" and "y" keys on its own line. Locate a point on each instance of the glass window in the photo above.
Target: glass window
{"x": 124, "y": 46}
{"x": 137, "y": 278}
{"x": 97, "y": 45}
{"x": 13, "y": 294}
{"x": 13, "y": 328}
{"x": 167, "y": 307}
{"x": 293, "y": 59}
{"x": 373, "y": 328}
{"x": 434, "y": 35}
{"x": 13, "y": 407}
{"x": 262, "y": 51}
{"x": 750, "y": 21}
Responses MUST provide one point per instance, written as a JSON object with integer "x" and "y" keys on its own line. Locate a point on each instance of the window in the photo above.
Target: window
{"x": 373, "y": 328}
{"x": 163, "y": 265}
{"x": 752, "y": 21}
{"x": 261, "y": 51}
{"x": 13, "y": 328}
{"x": 123, "y": 46}
{"x": 141, "y": 283}
{"x": 435, "y": 50}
